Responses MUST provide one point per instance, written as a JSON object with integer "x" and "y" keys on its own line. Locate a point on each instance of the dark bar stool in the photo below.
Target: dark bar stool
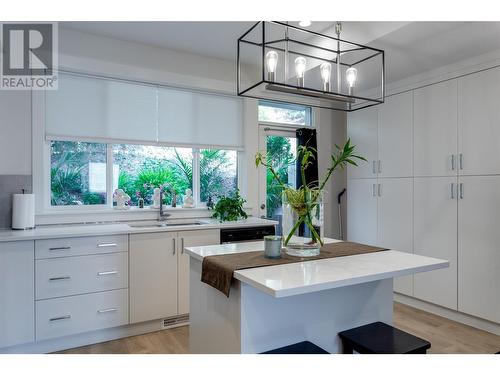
{"x": 381, "y": 338}
{"x": 304, "y": 347}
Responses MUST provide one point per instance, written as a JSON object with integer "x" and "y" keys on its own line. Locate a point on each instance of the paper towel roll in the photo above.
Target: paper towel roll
{"x": 23, "y": 211}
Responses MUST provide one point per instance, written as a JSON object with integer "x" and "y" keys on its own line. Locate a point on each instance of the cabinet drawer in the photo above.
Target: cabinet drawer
{"x": 63, "y": 247}
{"x": 71, "y": 315}
{"x": 77, "y": 275}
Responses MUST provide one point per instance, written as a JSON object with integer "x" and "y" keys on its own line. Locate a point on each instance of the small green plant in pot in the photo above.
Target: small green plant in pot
{"x": 303, "y": 206}
{"x": 230, "y": 208}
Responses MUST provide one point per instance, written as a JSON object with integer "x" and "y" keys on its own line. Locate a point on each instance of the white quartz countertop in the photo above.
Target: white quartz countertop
{"x": 316, "y": 275}
{"x": 103, "y": 229}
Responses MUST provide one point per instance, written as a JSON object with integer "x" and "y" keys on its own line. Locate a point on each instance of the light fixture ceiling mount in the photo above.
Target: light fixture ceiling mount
{"x": 281, "y": 62}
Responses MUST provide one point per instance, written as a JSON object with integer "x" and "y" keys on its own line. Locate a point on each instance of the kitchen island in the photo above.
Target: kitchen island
{"x": 271, "y": 307}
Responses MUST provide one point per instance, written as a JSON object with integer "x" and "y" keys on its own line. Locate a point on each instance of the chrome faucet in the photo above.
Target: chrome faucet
{"x": 162, "y": 216}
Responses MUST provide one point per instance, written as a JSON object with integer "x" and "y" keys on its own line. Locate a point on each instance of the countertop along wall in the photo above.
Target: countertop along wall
{"x": 89, "y": 53}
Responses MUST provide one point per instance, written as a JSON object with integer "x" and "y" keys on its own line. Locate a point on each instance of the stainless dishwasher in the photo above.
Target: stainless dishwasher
{"x": 247, "y": 234}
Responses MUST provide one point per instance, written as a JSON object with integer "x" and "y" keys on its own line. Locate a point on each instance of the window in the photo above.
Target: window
{"x": 284, "y": 113}
{"x": 139, "y": 169}
{"x": 79, "y": 172}
{"x": 218, "y": 173}
{"x": 282, "y": 152}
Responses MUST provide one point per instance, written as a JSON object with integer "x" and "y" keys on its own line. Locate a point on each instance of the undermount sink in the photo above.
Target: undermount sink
{"x": 157, "y": 224}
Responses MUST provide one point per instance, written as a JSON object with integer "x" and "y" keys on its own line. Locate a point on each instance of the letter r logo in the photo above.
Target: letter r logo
{"x": 28, "y": 49}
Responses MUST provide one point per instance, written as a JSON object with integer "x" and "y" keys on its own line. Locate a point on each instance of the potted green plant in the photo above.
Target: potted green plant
{"x": 230, "y": 208}
{"x": 304, "y": 206}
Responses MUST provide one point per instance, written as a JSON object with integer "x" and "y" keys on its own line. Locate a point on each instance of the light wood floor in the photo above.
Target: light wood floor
{"x": 446, "y": 336}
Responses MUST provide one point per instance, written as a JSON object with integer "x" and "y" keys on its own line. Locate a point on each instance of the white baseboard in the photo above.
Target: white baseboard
{"x": 88, "y": 338}
{"x": 457, "y": 316}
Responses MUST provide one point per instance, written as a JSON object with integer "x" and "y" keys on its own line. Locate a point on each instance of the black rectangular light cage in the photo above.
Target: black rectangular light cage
{"x": 281, "y": 62}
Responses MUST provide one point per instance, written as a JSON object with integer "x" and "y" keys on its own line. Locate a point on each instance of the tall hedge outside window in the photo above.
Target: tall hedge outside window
{"x": 284, "y": 113}
{"x": 218, "y": 173}
{"x": 78, "y": 173}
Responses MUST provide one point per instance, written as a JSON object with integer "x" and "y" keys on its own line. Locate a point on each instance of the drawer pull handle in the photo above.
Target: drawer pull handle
{"x": 60, "y": 248}
{"x": 106, "y": 311}
{"x": 60, "y": 278}
{"x": 106, "y": 245}
{"x": 106, "y": 273}
{"x": 64, "y": 317}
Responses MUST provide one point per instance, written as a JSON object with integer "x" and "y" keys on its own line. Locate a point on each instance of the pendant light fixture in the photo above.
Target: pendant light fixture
{"x": 282, "y": 62}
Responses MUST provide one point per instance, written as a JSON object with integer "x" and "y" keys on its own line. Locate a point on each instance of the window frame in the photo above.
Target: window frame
{"x": 280, "y": 129}
{"x": 309, "y": 123}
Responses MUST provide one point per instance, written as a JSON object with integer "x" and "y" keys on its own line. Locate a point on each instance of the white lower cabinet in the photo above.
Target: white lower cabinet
{"x": 17, "y": 294}
{"x": 478, "y": 247}
{"x": 362, "y": 211}
{"x": 395, "y": 220}
{"x": 65, "y": 316}
{"x": 190, "y": 238}
{"x": 60, "y": 277}
{"x": 159, "y": 272}
{"x": 435, "y": 235}
{"x": 153, "y": 276}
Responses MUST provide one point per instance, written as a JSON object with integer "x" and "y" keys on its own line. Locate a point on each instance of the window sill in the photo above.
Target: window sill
{"x": 78, "y": 215}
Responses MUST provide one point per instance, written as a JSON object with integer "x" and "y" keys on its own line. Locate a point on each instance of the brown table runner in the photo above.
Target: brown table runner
{"x": 218, "y": 270}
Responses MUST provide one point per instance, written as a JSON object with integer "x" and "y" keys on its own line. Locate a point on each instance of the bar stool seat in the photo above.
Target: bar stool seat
{"x": 303, "y": 347}
{"x": 381, "y": 338}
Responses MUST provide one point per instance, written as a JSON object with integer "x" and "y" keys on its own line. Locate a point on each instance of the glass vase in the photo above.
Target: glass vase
{"x": 303, "y": 229}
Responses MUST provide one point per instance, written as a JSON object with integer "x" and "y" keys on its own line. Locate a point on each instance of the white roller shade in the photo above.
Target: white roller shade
{"x": 199, "y": 119}
{"x": 113, "y": 111}
{"x": 101, "y": 109}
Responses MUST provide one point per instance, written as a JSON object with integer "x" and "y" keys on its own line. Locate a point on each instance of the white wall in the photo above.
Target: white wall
{"x": 15, "y": 132}
{"x": 112, "y": 57}
{"x": 331, "y": 127}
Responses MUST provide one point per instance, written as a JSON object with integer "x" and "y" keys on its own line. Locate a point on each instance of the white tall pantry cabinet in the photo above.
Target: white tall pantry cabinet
{"x": 435, "y": 129}
{"x": 379, "y": 191}
{"x": 434, "y": 173}
{"x": 435, "y": 235}
{"x": 478, "y": 247}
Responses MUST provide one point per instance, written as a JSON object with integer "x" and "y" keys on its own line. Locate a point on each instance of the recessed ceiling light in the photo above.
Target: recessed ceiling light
{"x": 304, "y": 23}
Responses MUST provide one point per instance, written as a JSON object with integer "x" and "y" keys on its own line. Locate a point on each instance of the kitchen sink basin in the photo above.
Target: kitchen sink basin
{"x": 156, "y": 224}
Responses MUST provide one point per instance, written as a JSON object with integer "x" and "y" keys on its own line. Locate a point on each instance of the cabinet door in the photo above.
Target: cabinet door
{"x": 395, "y": 138}
{"x": 478, "y": 249}
{"x": 362, "y": 130}
{"x": 435, "y": 235}
{"x": 17, "y": 293}
{"x": 186, "y": 239}
{"x": 153, "y": 276}
{"x": 395, "y": 219}
{"x": 362, "y": 211}
{"x": 435, "y": 129}
{"x": 479, "y": 122}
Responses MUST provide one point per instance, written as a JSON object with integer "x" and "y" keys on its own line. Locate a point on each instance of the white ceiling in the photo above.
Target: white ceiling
{"x": 411, "y": 47}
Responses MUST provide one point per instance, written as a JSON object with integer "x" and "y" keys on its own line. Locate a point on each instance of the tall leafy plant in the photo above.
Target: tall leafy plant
{"x": 305, "y": 199}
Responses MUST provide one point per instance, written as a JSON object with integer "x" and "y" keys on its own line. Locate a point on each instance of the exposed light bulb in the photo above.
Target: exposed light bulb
{"x": 304, "y": 23}
{"x": 271, "y": 62}
{"x": 300, "y": 69}
{"x": 351, "y": 75}
{"x": 326, "y": 72}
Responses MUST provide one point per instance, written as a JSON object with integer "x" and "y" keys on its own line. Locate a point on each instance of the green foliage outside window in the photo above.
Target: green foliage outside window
{"x": 139, "y": 169}
{"x": 281, "y": 154}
